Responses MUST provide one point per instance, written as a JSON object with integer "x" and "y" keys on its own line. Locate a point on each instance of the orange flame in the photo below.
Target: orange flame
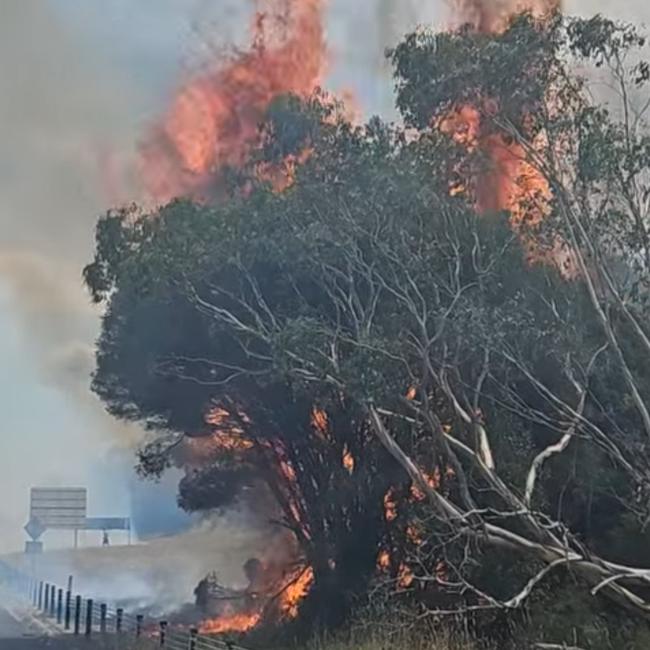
{"x": 433, "y": 481}
{"x": 295, "y": 592}
{"x": 383, "y": 560}
{"x": 414, "y": 535}
{"x": 319, "y": 421}
{"x": 226, "y": 437}
{"x": 390, "y": 505}
{"x": 348, "y": 460}
{"x": 240, "y": 622}
{"x": 509, "y": 183}
{"x": 405, "y": 576}
{"x": 214, "y": 120}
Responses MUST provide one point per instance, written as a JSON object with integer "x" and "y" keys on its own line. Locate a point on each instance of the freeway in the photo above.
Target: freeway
{"x": 21, "y": 627}
{"x": 10, "y": 626}
{"x": 21, "y": 632}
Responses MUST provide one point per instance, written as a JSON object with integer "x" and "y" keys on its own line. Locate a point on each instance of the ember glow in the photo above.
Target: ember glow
{"x": 433, "y": 481}
{"x": 405, "y": 577}
{"x": 319, "y": 421}
{"x": 214, "y": 120}
{"x": 390, "y": 505}
{"x": 383, "y": 561}
{"x": 348, "y": 460}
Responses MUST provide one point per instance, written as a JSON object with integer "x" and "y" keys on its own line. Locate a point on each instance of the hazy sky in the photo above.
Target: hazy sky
{"x": 78, "y": 82}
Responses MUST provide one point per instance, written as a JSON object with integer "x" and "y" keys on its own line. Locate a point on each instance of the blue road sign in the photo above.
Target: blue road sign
{"x": 35, "y": 528}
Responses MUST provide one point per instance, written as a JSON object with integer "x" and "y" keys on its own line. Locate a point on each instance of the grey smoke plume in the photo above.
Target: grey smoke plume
{"x": 62, "y": 111}
{"x": 161, "y": 576}
{"x": 59, "y": 112}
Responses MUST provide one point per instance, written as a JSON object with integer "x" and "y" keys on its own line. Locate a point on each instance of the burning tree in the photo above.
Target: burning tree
{"x": 214, "y": 119}
{"x": 308, "y": 455}
{"x": 430, "y": 349}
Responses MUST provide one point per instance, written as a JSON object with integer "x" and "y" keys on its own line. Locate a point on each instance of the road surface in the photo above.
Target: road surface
{"x": 10, "y": 626}
{"x": 19, "y": 633}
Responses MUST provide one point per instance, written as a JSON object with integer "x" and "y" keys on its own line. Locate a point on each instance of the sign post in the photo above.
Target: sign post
{"x": 65, "y": 509}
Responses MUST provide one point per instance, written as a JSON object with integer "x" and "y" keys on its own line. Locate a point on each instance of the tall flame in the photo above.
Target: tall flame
{"x": 509, "y": 182}
{"x": 214, "y": 120}
{"x": 294, "y": 593}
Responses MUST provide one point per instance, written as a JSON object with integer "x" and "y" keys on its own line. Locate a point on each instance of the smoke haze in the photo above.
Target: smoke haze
{"x": 78, "y": 82}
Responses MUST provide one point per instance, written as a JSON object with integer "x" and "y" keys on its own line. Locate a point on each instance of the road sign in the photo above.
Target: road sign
{"x": 35, "y": 528}
{"x": 59, "y": 508}
{"x": 108, "y": 523}
{"x": 33, "y": 548}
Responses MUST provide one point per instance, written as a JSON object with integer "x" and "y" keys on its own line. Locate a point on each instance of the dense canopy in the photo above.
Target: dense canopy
{"x": 428, "y": 387}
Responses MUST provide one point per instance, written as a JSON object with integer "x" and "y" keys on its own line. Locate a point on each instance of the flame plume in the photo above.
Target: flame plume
{"x": 214, "y": 120}
{"x": 509, "y": 182}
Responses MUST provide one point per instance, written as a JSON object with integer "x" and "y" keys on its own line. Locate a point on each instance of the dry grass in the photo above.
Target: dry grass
{"x": 371, "y": 639}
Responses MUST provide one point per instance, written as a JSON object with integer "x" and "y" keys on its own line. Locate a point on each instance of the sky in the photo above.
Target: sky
{"x": 79, "y": 82}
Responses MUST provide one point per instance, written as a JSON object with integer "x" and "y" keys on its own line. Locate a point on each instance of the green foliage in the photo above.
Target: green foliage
{"x": 602, "y": 40}
{"x": 366, "y": 278}
{"x": 437, "y": 73}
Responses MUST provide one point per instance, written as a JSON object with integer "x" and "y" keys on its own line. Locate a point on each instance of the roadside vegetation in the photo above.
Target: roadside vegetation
{"x": 425, "y": 352}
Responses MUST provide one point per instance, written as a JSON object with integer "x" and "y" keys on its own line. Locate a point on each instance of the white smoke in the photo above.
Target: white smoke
{"x": 159, "y": 577}
{"x": 633, "y": 11}
{"x": 68, "y": 117}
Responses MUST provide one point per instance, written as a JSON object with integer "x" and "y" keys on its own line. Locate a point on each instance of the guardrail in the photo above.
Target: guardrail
{"x": 78, "y": 615}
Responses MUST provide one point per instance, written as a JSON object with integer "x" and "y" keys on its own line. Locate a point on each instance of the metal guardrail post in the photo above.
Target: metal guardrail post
{"x": 102, "y": 618}
{"x": 77, "y": 614}
{"x": 68, "y": 610}
{"x": 119, "y": 617}
{"x": 163, "y": 633}
{"x": 59, "y": 606}
{"x": 89, "y": 616}
{"x": 50, "y": 599}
